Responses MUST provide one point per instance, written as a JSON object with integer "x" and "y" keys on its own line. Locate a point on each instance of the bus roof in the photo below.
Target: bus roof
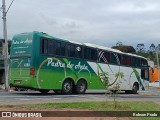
{"x": 102, "y": 47}
{"x": 86, "y": 44}
{"x": 93, "y": 45}
{"x": 110, "y": 49}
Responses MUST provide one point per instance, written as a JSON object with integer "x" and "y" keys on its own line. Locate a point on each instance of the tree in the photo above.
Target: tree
{"x": 125, "y": 48}
{"x": 140, "y": 47}
{"x": 158, "y": 47}
{"x": 152, "y": 48}
{"x": 119, "y": 43}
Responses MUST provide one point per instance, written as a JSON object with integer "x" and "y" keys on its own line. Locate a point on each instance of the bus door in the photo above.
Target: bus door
{"x": 145, "y": 77}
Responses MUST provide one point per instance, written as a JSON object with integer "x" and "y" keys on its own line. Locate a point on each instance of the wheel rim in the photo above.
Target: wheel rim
{"x": 67, "y": 87}
{"x": 82, "y": 87}
{"x": 135, "y": 88}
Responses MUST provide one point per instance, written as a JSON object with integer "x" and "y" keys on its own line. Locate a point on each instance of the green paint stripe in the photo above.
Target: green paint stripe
{"x": 73, "y": 71}
{"x": 138, "y": 78}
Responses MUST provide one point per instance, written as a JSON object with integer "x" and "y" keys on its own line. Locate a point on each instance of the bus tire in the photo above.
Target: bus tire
{"x": 67, "y": 87}
{"x": 43, "y": 91}
{"x": 81, "y": 87}
{"x": 135, "y": 88}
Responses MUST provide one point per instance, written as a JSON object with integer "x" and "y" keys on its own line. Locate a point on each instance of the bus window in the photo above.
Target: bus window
{"x": 44, "y": 46}
{"x": 126, "y": 60}
{"x": 135, "y": 62}
{"x": 105, "y": 57}
{"x": 50, "y": 47}
{"x": 78, "y": 52}
{"x": 71, "y": 50}
{"x": 144, "y": 74}
{"x": 57, "y": 48}
{"x": 115, "y": 58}
{"x": 94, "y": 55}
{"x": 138, "y": 62}
{"x": 144, "y": 63}
{"x": 87, "y": 53}
{"x": 63, "y": 49}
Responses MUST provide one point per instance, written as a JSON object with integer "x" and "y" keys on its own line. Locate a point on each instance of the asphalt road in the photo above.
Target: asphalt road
{"x": 34, "y": 97}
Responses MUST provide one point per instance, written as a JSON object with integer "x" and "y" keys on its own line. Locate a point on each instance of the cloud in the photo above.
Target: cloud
{"x": 101, "y": 22}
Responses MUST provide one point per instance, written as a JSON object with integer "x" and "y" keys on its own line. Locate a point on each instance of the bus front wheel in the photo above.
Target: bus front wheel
{"x": 135, "y": 88}
{"x": 81, "y": 87}
{"x": 67, "y": 87}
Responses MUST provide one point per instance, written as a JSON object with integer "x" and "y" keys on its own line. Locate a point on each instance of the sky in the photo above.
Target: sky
{"x": 102, "y": 22}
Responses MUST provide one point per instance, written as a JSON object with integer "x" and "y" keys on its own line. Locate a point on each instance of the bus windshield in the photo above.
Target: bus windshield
{"x": 21, "y": 46}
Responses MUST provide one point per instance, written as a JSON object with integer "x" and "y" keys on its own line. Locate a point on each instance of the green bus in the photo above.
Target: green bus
{"x": 43, "y": 62}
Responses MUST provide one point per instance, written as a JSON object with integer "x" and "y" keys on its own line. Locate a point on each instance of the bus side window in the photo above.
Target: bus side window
{"x": 58, "y": 48}
{"x": 78, "y": 52}
{"x": 144, "y": 74}
{"x": 144, "y": 63}
{"x": 126, "y": 60}
{"x": 134, "y": 61}
{"x": 94, "y": 55}
{"x": 87, "y": 53}
{"x": 44, "y": 46}
{"x": 138, "y": 62}
{"x": 105, "y": 57}
{"x": 63, "y": 49}
{"x": 50, "y": 47}
{"x": 115, "y": 58}
{"x": 71, "y": 50}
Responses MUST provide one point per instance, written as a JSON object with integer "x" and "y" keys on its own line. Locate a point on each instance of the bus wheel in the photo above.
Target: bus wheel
{"x": 135, "y": 88}
{"x": 44, "y": 91}
{"x": 67, "y": 87}
{"x": 81, "y": 87}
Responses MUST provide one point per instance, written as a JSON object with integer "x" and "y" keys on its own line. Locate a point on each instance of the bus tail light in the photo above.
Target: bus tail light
{"x": 32, "y": 71}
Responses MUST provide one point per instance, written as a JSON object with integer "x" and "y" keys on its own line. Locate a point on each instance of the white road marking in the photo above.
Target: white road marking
{"x": 24, "y": 99}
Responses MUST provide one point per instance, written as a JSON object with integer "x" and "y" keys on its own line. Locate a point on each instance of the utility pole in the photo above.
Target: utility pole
{"x": 157, "y": 52}
{"x": 5, "y": 48}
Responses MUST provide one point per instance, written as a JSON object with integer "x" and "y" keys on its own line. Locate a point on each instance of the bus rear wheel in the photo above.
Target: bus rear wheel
{"x": 43, "y": 91}
{"x": 67, "y": 87}
{"x": 81, "y": 87}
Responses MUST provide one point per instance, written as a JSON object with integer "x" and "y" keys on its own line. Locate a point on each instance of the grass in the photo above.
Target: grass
{"x": 104, "y": 106}
{"x": 101, "y": 106}
{"x": 98, "y": 106}
{"x": 93, "y": 106}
